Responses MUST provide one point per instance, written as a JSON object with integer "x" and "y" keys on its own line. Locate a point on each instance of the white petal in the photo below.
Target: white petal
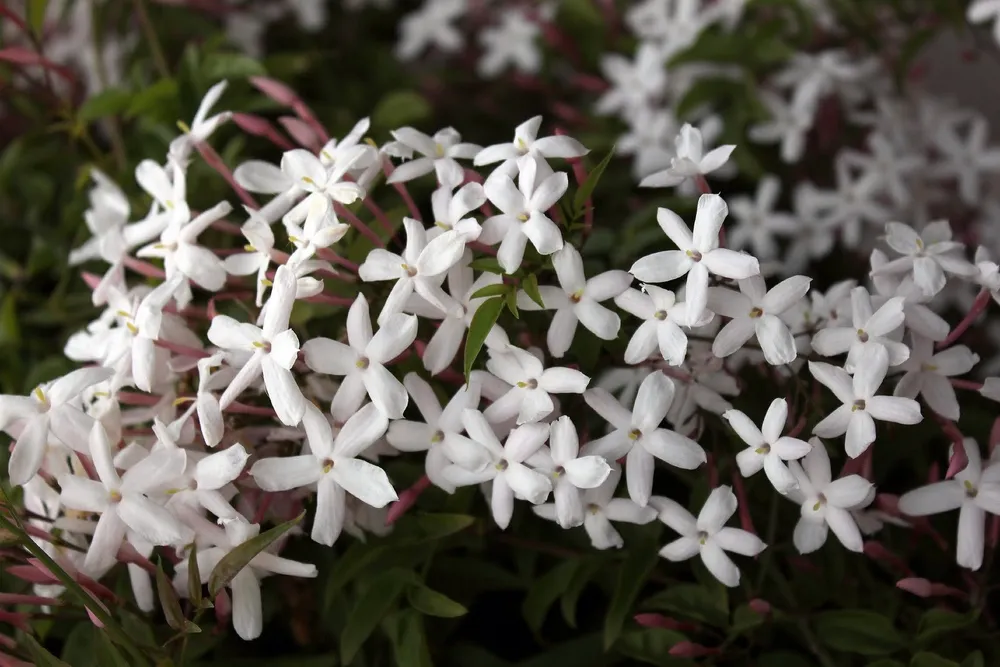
{"x": 360, "y": 431}
{"x": 386, "y": 392}
{"x": 587, "y": 472}
{"x": 284, "y": 473}
{"x": 639, "y": 467}
{"x": 739, "y": 541}
{"x": 364, "y": 481}
{"x": 719, "y": 564}
{"x": 934, "y": 498}
{"x": 845, "y": 528}
{"x": 154, "y": 523}
{"x": 774, "y": 420}
{"x": 285, "y": 395}
{"x": 776, "y": 341}
{"x": 894, "y": 409}
{"x": 217, "y": 470}
{"x": 718, "y": 508}
{"x": 248, "y": 614}
{"x": 680, "y": 549}
{"x": 561, "y": 380}
{"x": 809, "y": 535}
{"x": 331, "y": 508}
{"x": 971, "y": 536}
{"x": 860, "y": 433}
{"x": 847, "y": 492}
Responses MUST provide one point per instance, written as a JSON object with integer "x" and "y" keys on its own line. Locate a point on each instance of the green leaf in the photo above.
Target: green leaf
{"x": 403, "y": 107}
{"x": 238, "y": 558}
{"x": 171, "y": 604}
{"x": 744, "y": 620}
{"x": 530, "y": 287}
{"x": 886, "y": 662}
{"x": 369, "y": 611}
{"x": 586, "y": 188}
{"x": 431, "y": 602}
{"x": 162, "y": 94}
{"x": 498, "y": 289}
{"x": 10, "y": 329}
{"x": 219, "y": 66}
{"x": 511, "y": 298}
{"x": 571, "y": 595}
{"x": 406, "y": 633}
{"x": 438, "y": 526}
{"x": 858, "y": 631}
{"x": 110, "y": 102}
{"x": 482, "y": 322}
{"x": 545, "y": 590}
{"x": 487, "y": 264}
{"x": 194, "y": 578}
{"x": 784, "y": 659}
{"x": 691, "y": 601}
{"x": 36, "y": 15}
{"x": 631, "y": 577}
{"x": 582, "y": 652}
{"x": 652, "y": 645}
{"x": 974, "y": 659}
{"x": 937, "y": 622}
{"x": 925, "y": 659}
{"x": 39, "y": 653}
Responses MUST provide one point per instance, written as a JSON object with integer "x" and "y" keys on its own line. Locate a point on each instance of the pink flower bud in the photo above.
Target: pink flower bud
{"x": 276, "y": 90}
{"x": 877, "y": 551}
{"x": 691, "y": 650}
{"x": 916, "y": 585}
{"x": 300, "y": 131}
{"x": 665, "y": 622}
{"x": 762, "y": 607}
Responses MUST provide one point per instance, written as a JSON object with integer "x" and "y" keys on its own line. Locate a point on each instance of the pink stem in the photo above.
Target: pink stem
{"x": 17, "y": 598}
{"x": 306, "y": 114}
{"x": 966, "y": 384}
{"x": 259, "y": 127}
{"x": 357, "y": 223}
{"x": 978, "y": 306}
{"x": 181, "y": 349}
{"x": 214, "y": 160}
{"x": 133, "y": 398}
{"x": 128, "y": 554}
{"x": 746, "y": 521}
{"x": 402, "y": 190}
{"x": 144, "y": 268}
{"x": 330, "y": 300}
{"x": 243, "y": 409}
{"x": 331, "y": 256}
{"x": 407, "y": 499}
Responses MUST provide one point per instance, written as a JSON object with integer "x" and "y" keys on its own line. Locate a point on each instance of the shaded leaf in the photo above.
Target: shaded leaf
{"x": 690, "y": 601}
{"x": 490, "y": 290}
{"x": 631, "y": 577}
{"x": 586, "y": 188}
{"x": 545, "y": 590}
{"x": 370, "y": 609}
{"x": 109, "y": 102}
{"x": 240, "y": 557}
{"x": 171, "y": 604}
{"x": 218, "y": 66}
{"x": 482, "y": 322}
{"x": 937, "y": 622}
{"x": 39, "y": 653}
{"x": 437, "y": 526}
{"x": 431, "y": 602}
{"x": 652, "y": 645}
{"x": 530, "y": 287}
{"x": 925, "y": 659}
{"x": 404, "y": 107}
{"x": 858, "y": 631}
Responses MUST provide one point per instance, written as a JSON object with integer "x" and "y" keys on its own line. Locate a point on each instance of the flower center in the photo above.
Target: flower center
{"x": 42, "y": 398}
{"x": 820, "y": 501}
{"x": 362, "y": 363}
{"x": 929, "y": 368}
{"x": 559, "y": 471}
{"x": 443, "y": 225}
{"x": 593, "y": 508}
{"x": 702, "y": 537}
{"x": 437, "y": 437}
{"x": 970, "y": 490}
{"x": 410, "y": 271}
{"x": 862, "y": 335}
{"x": 521, "y": 145}
{"x": 576, "y": 296}
{"x": 523, "y": 217}
{"x": 327, "y": 465}
{"x": 115, "y": 495}
{"x": 262, "y": 345}
{"x": 755, "y": 312}
{"x": 502, "y": 465}
{"x": 694, "y": 255}
{"x": 528, "y": 384}
{"x": 920, "y": 244}
{"x": 439, "y": 150}
{"x": 660, "y": 315}
{"x": 858, "y": 405}
{"x": 634, "y": 434}
{"x": 763, "y": 449}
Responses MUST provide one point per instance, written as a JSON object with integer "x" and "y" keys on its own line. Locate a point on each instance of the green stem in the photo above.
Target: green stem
{"x": 149, "y": 32}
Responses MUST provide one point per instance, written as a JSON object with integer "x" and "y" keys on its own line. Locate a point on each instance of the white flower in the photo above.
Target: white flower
{"x": 577, "y": 299}
{"x": 201, "y": 127}
{"x": 531, "y": 383}
{"x": 436, "y": 433}
{"x": 826, "y": 505}
{"x": 708, "y": 535}
{"x": 451, "y": 214}
{"x": 600, "y": 509}
{"x": 440, "y": 154}
{"x": 510, "y": 44}
{"x": 447, "y": 340}
{"x": 633, "y": 85}
{"x": 869, "y": 330}
{"x": 333, "y": 465}
{"x": 504, "y": 465}
{"x": 321, "y": 229}
{"x": 855, "y": 200}
{"x": 257, "y": 257}
{"x": 917, "y": 317}
{"x": 306, "y": 172}
{"x": 526, "y": 141}
{"x": 201, "y": 482}
{"x": 420, "y": 269}
{"x": 691, "y": 160}
{"x": 181, "y": 254}
{"x": 274, "y": 348}
{"x": 206, "y": 404}
{"x": 168, "y": 189}
{"x": 767, "y": 448}
{"x": 927, "y": 258}
{"x": 52, "y": 409}
{"x": 523, "y": 211}
{"x": 431, "y": 26}
{"x": 664, "y": 316}
{"x": 698, "y": 254}
{"x": 637, "y": 434}
{"x": 569, "y": 471}
{"x": 981, "y": 11}
{"x": 248, "y": 614}
{"x": 755, "y": 312}
{"x": 891, "y": 164}
{"x": 757, "y": 223}
{"x": 968, "y": 159}
{"x": 124, "y": 502}
{"x": 363, "y": 360}
{"x": 860, "y": 406}
{"x": 973, "y": 491}
{"x": 789, "y": 125}
{"x": 927, "y": 374}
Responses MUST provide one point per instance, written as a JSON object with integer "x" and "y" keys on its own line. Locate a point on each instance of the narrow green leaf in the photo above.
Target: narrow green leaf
{"x": 511, "y": 298}
{"x": 974, "y": 659}
{"x": 482, "y": 322}
{"x": 858, "y": 631}
{"x": 238, "y": 558}
{"x": 652, "y": 646}
{"x": 353, "y": 561}
{"x": 433, "y": 603}
{"x": 194, "y": 578}
{"x": 39, "y": 653}
{"x": 109, "y": 102}
{"x": 631, "y": 576}
{"x": 545, "y": 590}
{"x": 399, "y": 108}
{"x": 938, "y": 622}
{"x": 530, "y": 287}
{"x": 570, "y": 597}
{"x": 487, "y": 264}
{"x": 405, "y": 630}
{"x": 586, "y": 188}
{"x": 169, "y": 601}
{"x": 36, "y": 15}
{"x": 371, "y": 608}
{"x": 925, "y": 659}
{"x": 10, "y": 329}
{"x": 218, "y": 66}
{"x": 499, "y": 289}
{"x": 437, "y": 526}
{"x": 161, "y": 95}
{"x": 690, "y": 601}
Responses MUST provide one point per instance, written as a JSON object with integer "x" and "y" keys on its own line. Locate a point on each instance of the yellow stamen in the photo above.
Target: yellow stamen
{"x": 184, "y": 127}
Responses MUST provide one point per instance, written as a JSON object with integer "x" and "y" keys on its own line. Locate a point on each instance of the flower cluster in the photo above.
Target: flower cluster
{"x": 201, "y": 400}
